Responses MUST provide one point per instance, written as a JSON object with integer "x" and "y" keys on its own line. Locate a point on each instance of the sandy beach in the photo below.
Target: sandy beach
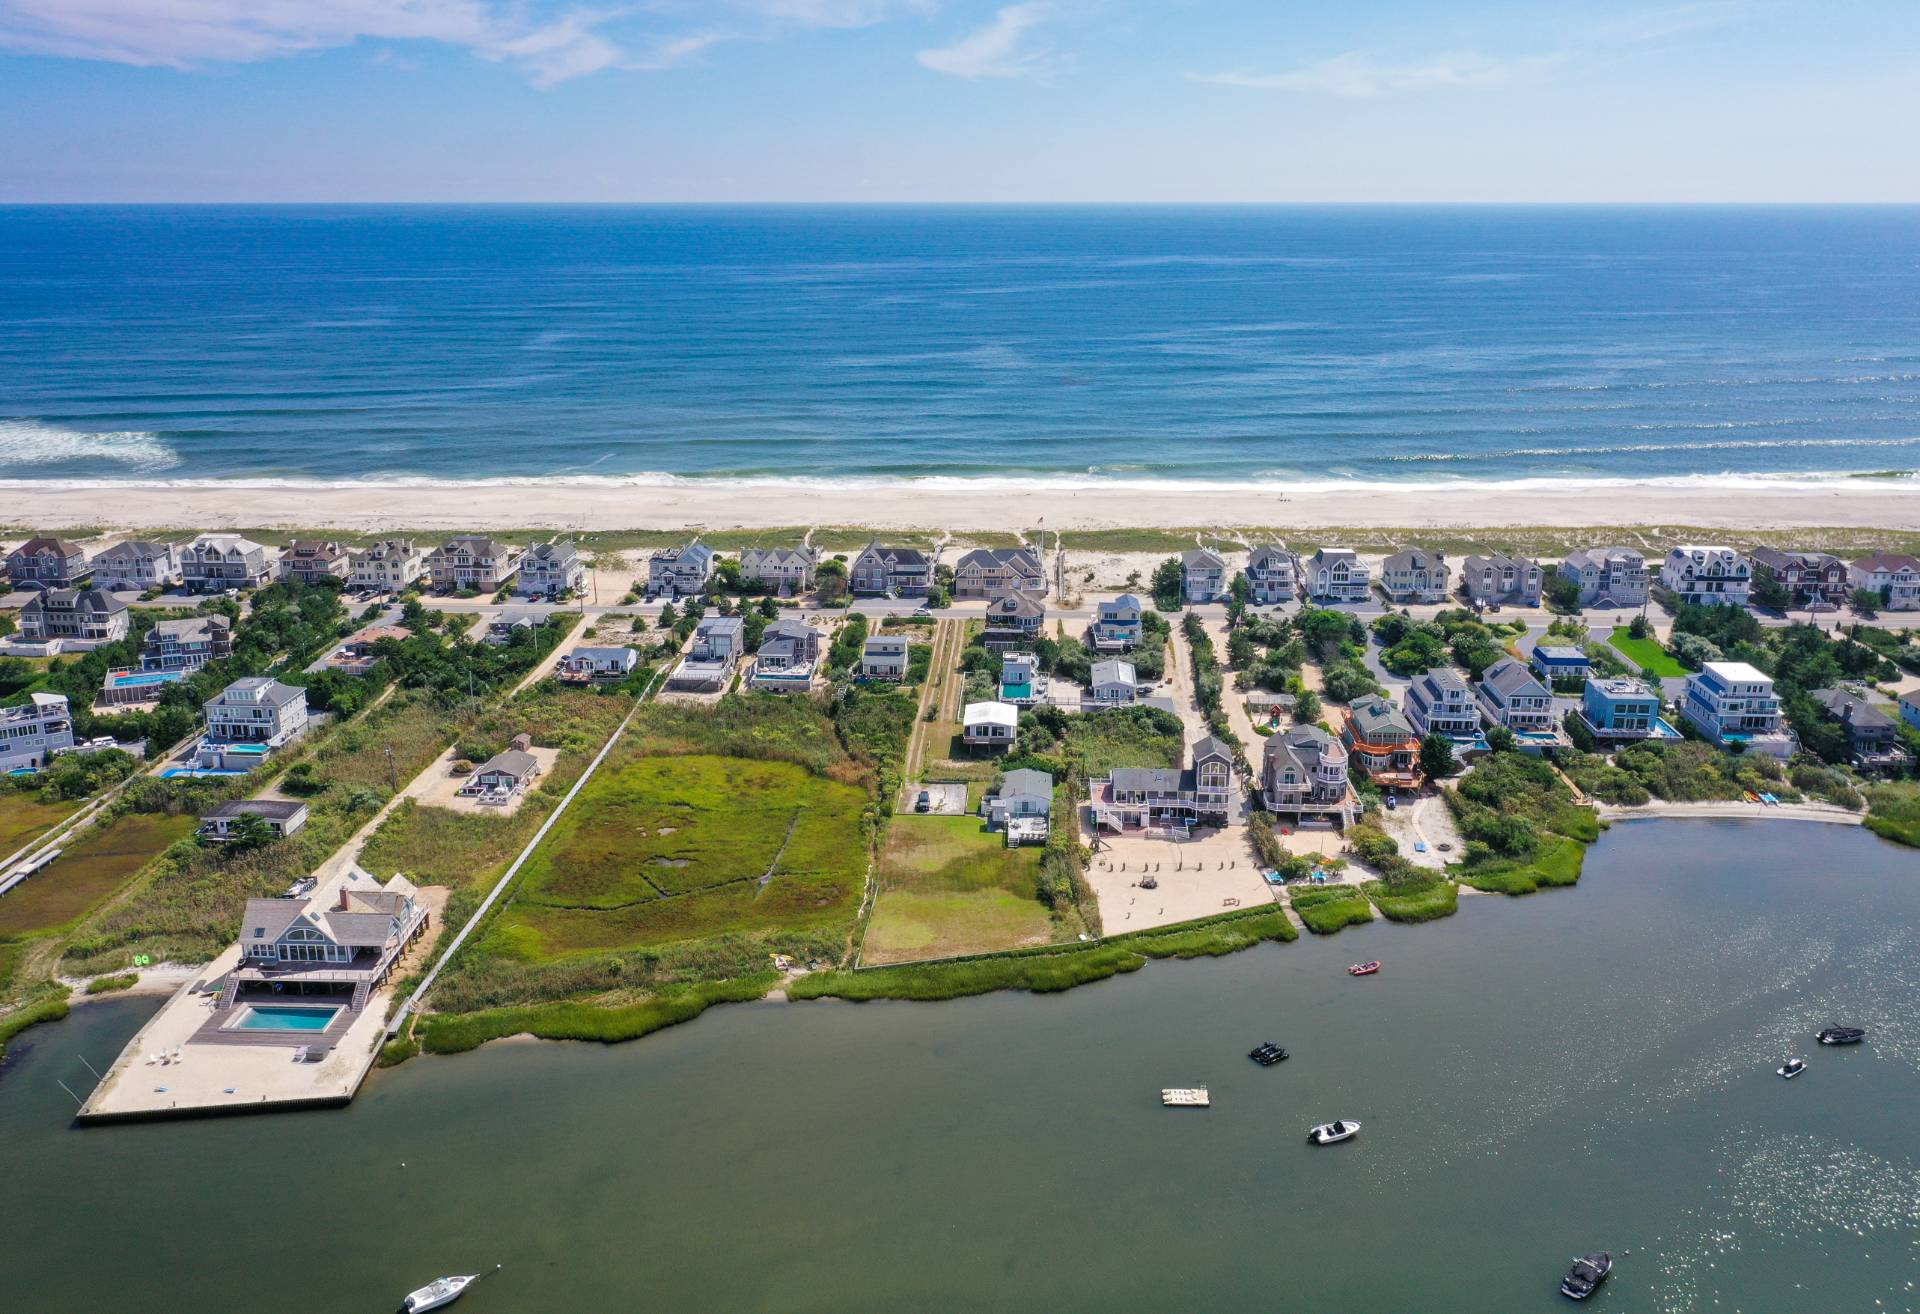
{"x": 371, "y": 507}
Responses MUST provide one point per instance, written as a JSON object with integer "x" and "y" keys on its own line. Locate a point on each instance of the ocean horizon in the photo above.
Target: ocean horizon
{"x": 1072, "y": 347}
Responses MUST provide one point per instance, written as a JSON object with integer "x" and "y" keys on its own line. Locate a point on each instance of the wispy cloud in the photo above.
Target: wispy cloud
{"x": 998, "y": 50}
{"x": 1358, "y": 75}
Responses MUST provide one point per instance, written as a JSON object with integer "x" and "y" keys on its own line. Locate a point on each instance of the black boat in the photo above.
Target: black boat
{"x": 1586, "y": 1275}
{"x": 1267, "y": 1055}
{"x": 1842, "y": 1035}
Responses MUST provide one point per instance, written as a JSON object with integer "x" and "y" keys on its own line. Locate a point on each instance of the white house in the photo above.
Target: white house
{"x": 1733, "y": 705}
{"x": 386, "y": 567}
{"x": 1895, "y": 576}
{"x": 283, "y": 817}
{"x": 1607, "y": 576}
{"x": 139, "y": 565}
{"x": 250, "y": 719}
{"x": 1203, "y": 575}
{"x": 473, "y": 561}
{"x": 1022, "y": 806}
{"x": 680, "y": 572}
{"x": 985, "y": 572}
{"x": 1707, "y": 575}
{"x": 90, "y": 615}
{"x": 1117, "y": 625}
{"x": 784, "y": 570}
{"x": 1336, "y": 574}
{"x": 1416, "y": 575}
{"x": 884, "y": 657}
{"x": 1511, "y": 696}
{"x": 31, "y": 734}
{"x": 1441, "y": 702}
{"x": 718, "y": 644}
{"x": 550, "y": 569}
{"x": 1273, "y": 575}
{"x": 591, "y": 665}
{"x": 990, "y": 726}
{"x": 788, "y": 655}
{"x": 1114, "y": 684}
{"x": 215, "y": 562}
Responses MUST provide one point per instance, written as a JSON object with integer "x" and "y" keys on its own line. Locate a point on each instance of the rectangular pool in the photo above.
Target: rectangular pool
{"x": 284, "y": 1017}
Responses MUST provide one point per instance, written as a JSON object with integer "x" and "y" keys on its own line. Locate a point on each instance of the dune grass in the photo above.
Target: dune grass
{"x": 106, "y": 985}
{"x": 948, "y": 888}
{"x": 24, "y": 818}
{"x": 453, "y": 1033}
{"x": 86, "y": 872}
{"x": 1327, "y": 909}
{"x": 1415, "y": 903}
{"x": 1556, "y": 863}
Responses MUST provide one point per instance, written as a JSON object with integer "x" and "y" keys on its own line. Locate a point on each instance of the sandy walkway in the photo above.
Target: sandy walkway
{"x": 1735, "y": 812}
{"x": 985, "y": 506}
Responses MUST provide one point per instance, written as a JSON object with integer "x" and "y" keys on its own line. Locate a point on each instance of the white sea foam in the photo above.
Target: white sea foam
{"x": 31, "y": 442}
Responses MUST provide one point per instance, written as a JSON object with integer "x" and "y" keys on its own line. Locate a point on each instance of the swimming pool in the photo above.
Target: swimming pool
{"x": 284, "y": 1017}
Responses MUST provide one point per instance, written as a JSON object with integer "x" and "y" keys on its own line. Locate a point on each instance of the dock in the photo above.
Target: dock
{"x": 1186, "y": 1097}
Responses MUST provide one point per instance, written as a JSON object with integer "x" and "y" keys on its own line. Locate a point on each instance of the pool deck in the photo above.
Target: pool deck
{"x": 232, "y": 1072}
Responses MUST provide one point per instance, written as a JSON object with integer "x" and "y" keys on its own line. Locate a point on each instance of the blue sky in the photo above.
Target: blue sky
{"x": 952, "y": 100}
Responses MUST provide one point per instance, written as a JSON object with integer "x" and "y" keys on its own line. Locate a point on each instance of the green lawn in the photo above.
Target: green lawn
{"x": 23, "y": 816}
{"x": 1647, "y": 654}
{"x": 948, "y": 887}
{"x": 670, "y": 848}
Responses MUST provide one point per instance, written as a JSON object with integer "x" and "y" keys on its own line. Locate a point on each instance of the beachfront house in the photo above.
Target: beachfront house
{"x": 282, "y": 816}
{"x": 989, "y": 572}
{"x": 186, "y": 644}
{"x": 1561, "y": 664}
{"x": 1303, "y": 775}
{"x": 1380, "y": 742}
{"x": 359, "y": 653}
{"x": 900, "y": 572}
{"x": 314, "y": 560}
{"x": 1441, "y": 702}
{"x": 1014, "y": 617}
{"x": 1498, "y": 580}
{"x": 1021, "y": 807}
{"x": 137, "y": 565}
{"x": 1895, "y": 576}
{"x": 989, "y": 727}
{"x": 32, "y": 733}
{"x": 473, "y": 563}
{"x": 681, "y": 571}
{"x": 788, "y": 655}
{"x": 1114, "y": 684}
{"x": 718, "y": 644}
{"x": 1022, "y": 682}
{"x": 1815, "y": 580}
{"x": 1200, "y": 793}
{"x": 1707, "y": 574}
{"x": 1336, "y": 574}
{"x": 596, "y": 665}
{"x": 1116, "y": 625}
{"x": 1415, "y": 574}
{"x": 1733, "y": 705}
{"x": 552, "y": 569}
{"x": 91, "y": 616}
{"x": 47, "y": 563}
{"x": 1607, "y": 576}
{"x": 1873, "y": 736}
{"x": 1910, "y": 708}
{"x": 388, "y": 566}
{"x": 1510, "y": 695}
{"x": 338, "y": 940}
{"x": 785, "y": 571}
{"x": 1273, "y": 575}
{"x": 1203, "y": 575}
{"x": 249, "y": 720}
{"x": 884, "y": 657}
{"x": 213, "y": 563}
{"x": 1621, "y": 709}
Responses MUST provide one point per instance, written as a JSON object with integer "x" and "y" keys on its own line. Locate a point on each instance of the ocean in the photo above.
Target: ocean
{"x": 1297, "y": 346}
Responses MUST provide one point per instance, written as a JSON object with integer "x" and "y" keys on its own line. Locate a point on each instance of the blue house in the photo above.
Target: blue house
{"x": 1561, "y": 663}
{"x": 1622, "y": 708}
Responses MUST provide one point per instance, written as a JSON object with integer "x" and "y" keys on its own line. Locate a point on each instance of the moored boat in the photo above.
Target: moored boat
{"x": 1186, "y": 1097}
{"x": 1364, "y": 969}
{"x": 1793, "y": 1067}
{"x": 1842, "y": 1035}
{"x": 440, "y": 1292}
{"x": 1586, "y": 1275}
{"x": 1267, "y": 1054}
{"x": 1332, "y": 1133}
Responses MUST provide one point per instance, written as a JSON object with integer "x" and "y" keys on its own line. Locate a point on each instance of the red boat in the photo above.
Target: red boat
{"x": 1364, "y": 969}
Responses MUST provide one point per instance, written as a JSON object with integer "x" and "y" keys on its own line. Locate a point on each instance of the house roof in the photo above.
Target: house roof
{"x": 224, "y": 544}
{"x": 1441, "y": 678}
{"x": 1596, "y": 556}
{"x": 789, "y": 628}
{"x": 1511, "y": 677}
{"x": 1269, "y": 556}
{"x": 1125, "y": 602}
{"x": 187, "y": 629}
{"x": 1888, "y": 561}
{"x": 1737, "y": 672}
{"x": 984, "y": 558}
{"x": 1114, "y": 672}
{"x": 1200, "y": 556}
{"x": 1865, "y": 715}
{"x": 1328, "y": 555}
{"x": 1210, "y": 746}
{"x": 1561, "y": 653}
{"x": 1775, "y": 558}
{"x": 1415, "y": 558}
{"x": 779, "y": 556}
{"x": 1499, "y": 561}
{"x": 884, "y": 645}
{"x": 990, "y": 714}
{"x": 560, "y": 553}
{"x": 97, "y": 601}
{"x": 593, "y": 654}
{"x": 1158, "y": 780}
{"x": 712, "y": 625}
{"x": 1375, "y": 718}
{"x": 386, "y": 547}
{"x": 902, "y": 556}
{"x": 1304, "y": 745}
{"x": 513, "y": 762}
{"x": 1026, "y": 781}
{"x": 273, "y": 809}
{"x": 1014, "y": 603}
{"x": 65, "y": 547}
{"x": 314, "y": 547}
{"x": 135, "y": 550}
{"x": 269, "y": 691}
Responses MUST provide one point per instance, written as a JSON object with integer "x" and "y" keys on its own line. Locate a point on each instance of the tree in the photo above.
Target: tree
{"x": 1500, "y": 739}
{"x": 769, "y": 608}
{"x": 1770, "y": 592}
{"x": 1306, "y": 707}
{"x": 1563, "y": 592}
{"x": 1323, "y": 628}
{"x": 1436, "y": 756}
{"x": 1867, "y": 601}
{"x": 668, "y": 615}
{"x": 830, "y": 579}
{"x": 249, "y": 831}
{"x": 1168, "y": 585}
{"x": 1639, "y": 628}
{"x": 1240, "y": 590}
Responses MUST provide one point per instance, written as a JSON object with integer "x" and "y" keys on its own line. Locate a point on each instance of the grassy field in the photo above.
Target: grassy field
{"x": 23, "y": 817}
{"x": 664, "y": 849}
{"x": 1647, "y": 654}
{"x": 949, "y": 888}
{"x": 96, "y": 865}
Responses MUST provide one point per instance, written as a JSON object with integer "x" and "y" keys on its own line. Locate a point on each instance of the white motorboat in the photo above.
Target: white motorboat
{"x": 1331, "y": 1133}
{"x": 1792, "y": 1068}
{"x": 1186, "y": 1097}
{"x": 440, "y": 1292}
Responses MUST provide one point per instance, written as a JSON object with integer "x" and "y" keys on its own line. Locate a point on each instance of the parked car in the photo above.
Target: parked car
{"x": 924, "y": 803}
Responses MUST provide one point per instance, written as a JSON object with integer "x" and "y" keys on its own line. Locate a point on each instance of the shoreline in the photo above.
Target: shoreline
{"x": 986, "y": 506}
{"x": 1730, "y": 810}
